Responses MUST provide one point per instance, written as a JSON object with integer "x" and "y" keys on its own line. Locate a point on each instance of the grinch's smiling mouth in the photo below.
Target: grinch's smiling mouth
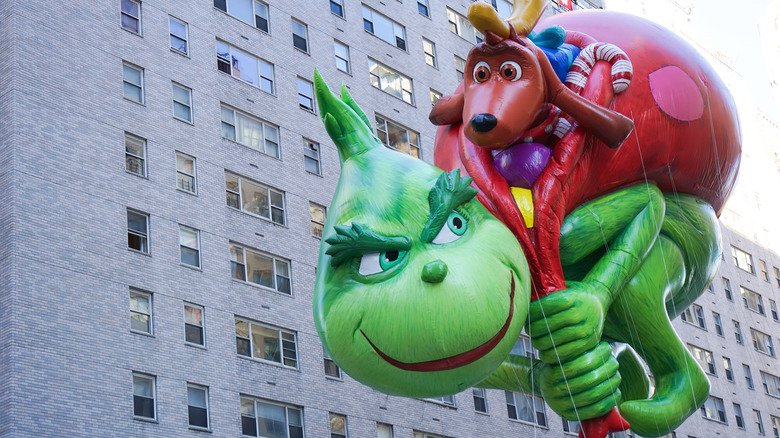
{"x": 457, "y": 360}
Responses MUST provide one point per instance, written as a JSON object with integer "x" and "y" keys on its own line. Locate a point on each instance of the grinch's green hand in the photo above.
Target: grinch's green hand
{"x": 586, "y": 387}
{"x": 568, "y": 323}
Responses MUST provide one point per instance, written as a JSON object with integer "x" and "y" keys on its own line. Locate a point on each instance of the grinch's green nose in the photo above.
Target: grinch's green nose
{"x": 434, "y": 272}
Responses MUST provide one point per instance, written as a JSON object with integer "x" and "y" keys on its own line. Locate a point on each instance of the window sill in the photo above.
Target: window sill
{"x": 529, "y": 423}
{"x": 194, "y": 268}
{"x": 694, "y": 324}
{"x": 186, "y": 55}
{"x": 189, "y": 122}
{"x": 249, "y": 83}
{"x": 436, "y": 402}
{"x": 337, "y": 15}
{"x": 766, "y": 354}
{"x": 268, "y": 362}
{"x": 253, "y": 149}
{"x": 308, "y": 110}
{"x": 258, "y": 217}
{"x": 395, "y": 97}
{"x": 136, "y": 174}
{"x": 315, "y": 174}
{"x": 345, "y": 72}
{"x": 302, "y": 51}
{"x": 187, "y": 191}
{"x": 146, "y": 420}
{"x": 138, "y": 34}
{"x": 389, "y": 44}
{"x": 134, "y": 101}
{"x": 200, "y": 429}
{"x": 137, "y": 332}
{"x": 133, "y": 250}
{"x": 482, "y": 413}
{"x": 243, "y": 22}
{"x": 715, "y": 421}
{"x": 198, "y": 346}
{"x": 290, "y": 295}
{"x": 334, "y": 378}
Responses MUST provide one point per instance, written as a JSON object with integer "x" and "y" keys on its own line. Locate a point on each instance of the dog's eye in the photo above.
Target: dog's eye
{"x": 481, "y": 72}
{"x": 511, "y": 71}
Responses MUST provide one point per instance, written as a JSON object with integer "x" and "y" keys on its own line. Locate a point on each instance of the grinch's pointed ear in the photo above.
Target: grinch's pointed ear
{"x": 347, "y": 98}
{"x": 346, "y": 123}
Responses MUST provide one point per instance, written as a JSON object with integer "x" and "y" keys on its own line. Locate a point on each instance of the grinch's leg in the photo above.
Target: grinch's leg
{"x": 638, "y": 317}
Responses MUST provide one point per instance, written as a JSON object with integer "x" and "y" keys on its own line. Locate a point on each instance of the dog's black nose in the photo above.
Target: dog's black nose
{"x": 483, "y": 122}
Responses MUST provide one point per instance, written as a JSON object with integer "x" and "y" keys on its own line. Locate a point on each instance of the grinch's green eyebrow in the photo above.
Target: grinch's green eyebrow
{"x": 350, "y": 242}
{"x": 449, "y": 192}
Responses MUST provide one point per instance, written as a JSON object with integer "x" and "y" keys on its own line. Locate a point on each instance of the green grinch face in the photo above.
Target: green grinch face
{"x": 420, "y": 290}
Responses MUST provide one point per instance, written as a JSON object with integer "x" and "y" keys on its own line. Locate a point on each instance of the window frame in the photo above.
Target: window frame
{"x": 304, "y": 37}
{"x": 765, "y": 377}
{"x": 141, "y": 87}
{"x": 423, "y": 5}
{"x": 738, "y": 332}
{"x": 383, "y": 131}
{"x": 150, "y": 315}
{"x": 138, "y": 19}
{"x": 764, "y": 273}
{"x": 770, "y": 348}
{"x": 326, "y": 360}
{"x": 461, "y": 25}
{"x": 759, "y": 422}
{"x": 265, "y": 126}
{"x": 480, "y": 396}
{"x": 570, "y": 427}
{"x": 753, "y": 301}
{"x": 388, "y": 428}
{"x": 201, "y": 328}
{"x": 694, "y": 312}
{"x": 741, "y": 258}
{"x": 273, "y": 259}
{"x": 378, "y": 82}
{"x": 340, "y": 4}
{"x": 183, "y": 247}
{"x": 317, "y": 224}
{"x": 434, "y": 60}
{"x": 312, "y": 153}
{"x": 255, "y": 410}
{"x": 717, "y": 405}
{"x": 187, "y": 105}
{"x": 775, "y": 425}
{"x": 280, "y": 343}
{"x": 313, "y": 105}
{"x": 270, "y": 191}
{"x": 460, "y": 68}
{"x": 205, "y": 390}
{"x": 727, "y": 289}
{"x": 773, "y": 309}
{"x": 371, "y": 22}
{"x": 705, "y": 359}
{"x": 523, "y": 347}
{"x": 445, "y": 400}
{"x": 144, "y": 237}
{"x": 729, "y": 370}
{"x": 172, "y": 35}
{"x": 259, "y": 64}
{"x": 748, "y": 376}
{"x": 718, "y": 323}
{"x": 534, "y": 401}
{"x": 132, "y": 156}
{"x": 347, "y": 61}
{"x": 153, "y": 379}
{"x": 739, "y": 418}
{"x": 255, "y": 15}
{"x": 433, "y": 93}
{"x": 334, "y": 416}
{"x": 182, "y": 175}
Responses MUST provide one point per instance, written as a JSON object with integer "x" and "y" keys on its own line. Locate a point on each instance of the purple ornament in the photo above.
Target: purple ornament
{"x": 522, "y": 163}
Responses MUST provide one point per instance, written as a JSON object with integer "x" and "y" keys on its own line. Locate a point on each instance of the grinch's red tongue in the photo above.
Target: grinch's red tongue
{"x": 522, "y": 163}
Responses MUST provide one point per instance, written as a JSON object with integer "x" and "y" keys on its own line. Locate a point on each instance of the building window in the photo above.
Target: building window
{"x": 435, "y": 96}
{"x": 311, "y": 157}
{"x": 342, "y": 56}
{"x": 263, "y": 342}
{"x": 254, "y": 198}
{"x": 245, "y": 67}
{"x": 138, "y": 231}
{"x": 523, "y": 347}
{"x": 398, "y": 137}
{"x": 185, "y": 173}
{"x": 143, "y": 396}
{"x": 198, "y": 405}
{"x": 193, "y": 325}
{"x": 705, "y": 359}
{"x": 182, "y": 103}
{"x": 306, "y": 95}
{"x": 737, "y": 332}
{"x": 384, "y": 28}
{"x": 503, "y": 7}
{"x": 419, "y": 434}
{"x": 764, "y": 273}
{"x": 250, "y": 132}
{"x": 179, "y": 31}
{"x": 748, "y": 376}
{"x": 422, "y": 8}
{"x": 189, "y": 246}
{"x": 727, "y": 289}
{"x": 694, "y": 315}
{"x": 742, "y": 260}
{"x": 773, "y": 309}
{"x": 775, "y": 426}
{"x": 729, "y": 370}
{"x": 771, "y": 384}
{"x": 260, "y": 269}
{"x": 526, "y": 408}
{"x": 480, "y": 400}
{"x": 448, "y": 400}
{"x": 331, "y": 368}
{"x": 762, "y": 342}
{"x": 738, "y": 416}
{"x": 430, "y": 53}
{"x": 777, "y": 276}
{"x": 718, "y": 325}
{"x": 384, "y": 430}
{"x": 131, "y": 16}
{"x": 300, "y": 36}
{"x": 714, "y": 410}
{"x": 317, "y": 213}
{"x": 133, "y": 83}
{"x": 752, "y": 300}
{"x": 759, "y": 422}
{"x": 460, "y": 67}
{"x": 338, "y": 425}
{"x": 390, "y": 81}
{"x": 140, "y": 311}
{"x": 135, "y": 155}
{"x": 270, "y": 419}
{"x": 337, "y": 8}
{"x": 254, "y": 13}
{"x": 571, "y": 427}
{"x": 460, "y": 25}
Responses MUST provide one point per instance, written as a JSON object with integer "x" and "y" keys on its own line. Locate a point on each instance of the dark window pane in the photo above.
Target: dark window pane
{"x": 296, "y": 432}
{"x": 143, "y": 406}
{"x": 198, "y": 416}
{"x": 248, "y": 426}
{"x": 511, "y": 412}
{"x": 237, "y": 270}
{"x": 300, "y": 43}
{"x": 136, "y": 242}
{"x": 422, "y": 8}
{"x": 223, "y": 65}
{"x": 479, "y": 404}
{"x": 400, "y": 43}
{"x": 336, "y": 9}
{"x": 331, "y": 369}
{"x": 261, "y": 23}
{"x": 189, "y": 256}
{"x": 283, "y": 284}
{"x": 221, "y": 5}
{"x": 242, "y": 346}
{"x": 367, "y": 25}
{"x": 193, "y": 334}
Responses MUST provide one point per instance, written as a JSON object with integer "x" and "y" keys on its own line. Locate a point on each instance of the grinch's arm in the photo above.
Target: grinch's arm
{"x": 567, "y": 323}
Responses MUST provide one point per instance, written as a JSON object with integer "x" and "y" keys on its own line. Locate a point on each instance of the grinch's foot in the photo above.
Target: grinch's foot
{"x": 600, "y": 427}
